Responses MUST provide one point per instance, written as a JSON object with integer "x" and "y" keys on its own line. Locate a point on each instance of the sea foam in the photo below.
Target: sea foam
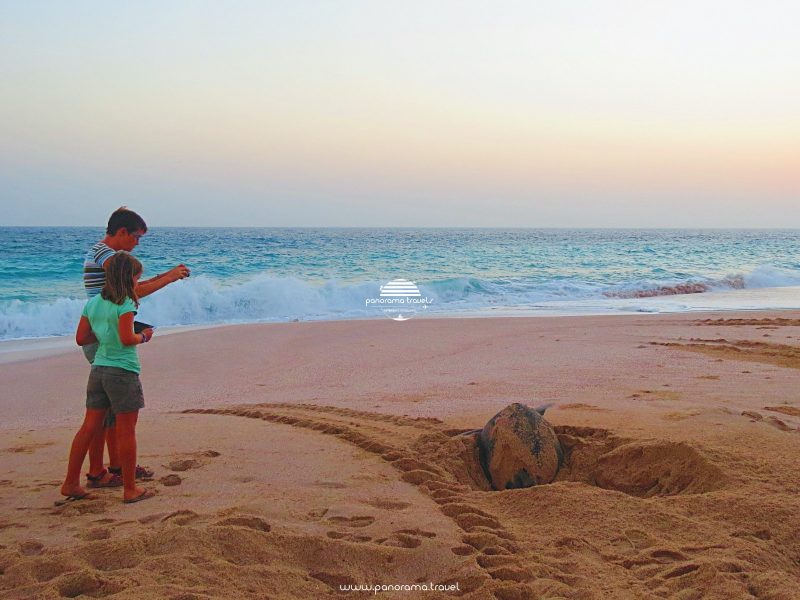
{"x": 261, "y": 298}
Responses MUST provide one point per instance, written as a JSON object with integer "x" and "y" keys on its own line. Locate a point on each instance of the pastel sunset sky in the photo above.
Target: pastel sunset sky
{"x": 374, "y": 113}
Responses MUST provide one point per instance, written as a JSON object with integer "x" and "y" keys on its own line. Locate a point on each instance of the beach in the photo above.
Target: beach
{"x": 296, "y": 459}
{"x": 431, "y": 300}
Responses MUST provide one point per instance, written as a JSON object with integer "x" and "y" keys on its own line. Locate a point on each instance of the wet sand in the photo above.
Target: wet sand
{"x": 311, "y": 456}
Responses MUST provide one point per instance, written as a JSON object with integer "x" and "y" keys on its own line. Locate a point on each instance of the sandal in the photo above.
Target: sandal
{"x": 100, "y": 481}
{"x": 141, "y": 472}
{"x": 143, "y": 496}
{"x": 74, "y": 498}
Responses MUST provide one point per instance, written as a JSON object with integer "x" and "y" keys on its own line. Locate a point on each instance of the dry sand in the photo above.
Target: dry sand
{"x": 314, "y": 455}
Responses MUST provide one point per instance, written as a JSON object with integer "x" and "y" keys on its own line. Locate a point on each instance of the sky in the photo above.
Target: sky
{"x": 415, "y": 114}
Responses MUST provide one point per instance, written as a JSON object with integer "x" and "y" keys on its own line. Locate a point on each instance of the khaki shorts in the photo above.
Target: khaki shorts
{"x": 113, "y": 389}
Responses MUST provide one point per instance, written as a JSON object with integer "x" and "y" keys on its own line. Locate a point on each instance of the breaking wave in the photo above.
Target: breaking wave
{"x": 205, "y": 301}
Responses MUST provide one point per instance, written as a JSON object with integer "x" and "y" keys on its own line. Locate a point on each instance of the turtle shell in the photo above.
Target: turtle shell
{"x": 519, "y": 448}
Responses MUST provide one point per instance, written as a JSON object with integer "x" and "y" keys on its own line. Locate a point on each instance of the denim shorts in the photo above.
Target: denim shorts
{"x": 116, "y": 390}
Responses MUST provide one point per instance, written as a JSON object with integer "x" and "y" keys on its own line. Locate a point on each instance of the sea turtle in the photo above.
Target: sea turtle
{"x": 518, "y": 448}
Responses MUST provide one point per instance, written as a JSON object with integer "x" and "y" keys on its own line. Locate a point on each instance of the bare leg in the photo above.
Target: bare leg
{"x": 126, "y": 446}
{"x": 92, "y": 426}
{"x": 96, "y": 453}
{"x": 113, "y": 448}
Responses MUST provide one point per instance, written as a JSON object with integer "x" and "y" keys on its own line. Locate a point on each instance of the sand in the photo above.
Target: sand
{"x": 296, "y": 458}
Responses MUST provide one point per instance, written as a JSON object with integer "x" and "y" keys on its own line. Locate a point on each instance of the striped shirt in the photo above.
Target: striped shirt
{"x": 94, "y": 276}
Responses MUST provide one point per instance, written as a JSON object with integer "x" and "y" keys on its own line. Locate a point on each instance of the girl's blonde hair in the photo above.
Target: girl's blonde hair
{"x": 120, "y": 271}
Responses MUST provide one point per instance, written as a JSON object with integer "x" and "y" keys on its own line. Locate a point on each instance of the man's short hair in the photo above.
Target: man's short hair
{"x": 123, "y": 217}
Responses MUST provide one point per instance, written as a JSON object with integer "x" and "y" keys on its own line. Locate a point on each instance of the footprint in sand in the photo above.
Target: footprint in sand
{"x": 170, "y": 480}
{"x": 183, "y": 465}
{"x": 333, "y": 580}
{"x": 769, "y": 420}
{"x": 388, "y": 504}
{"x": 146, "y": 520}
{"x": 248, "y": 521}
{"x": 192, "y": 462}
{"x": 31, "y": 548}
{"x": 348, "y": 537}
{"x": 640, "y": 539}
{"x": 756, "y": 535}
{"x": 661, "y": 564}
{"x": 39, "y": 485}
{"x": 400, "y": 540}
{"x": 681, "y": 571}
{"x": 492, "y": 561}
{"x": 357, "y": 521}
{"x": 792, "y": 411}
{"x": 681, "y": 416}
{"x": 664, "y": 556}
{"x": 333, "y": 485}
{"x": 469, "y": 517}
{"x": 655, "y": 395}
{"x": 96, "y": 533}
{"x": 483, "y": 540}
{"x": 9, "y": 525}
{"x": 496, "y": 551}
{"x": 463, "y": 550}
{"x": 417, "y": 532}
{"x": 86, "y": 583}
{"x": 28, "y": 448}
{"x": 777, "y": 423}
{"x": 406, "y": 538}
{"x": 631, "y": 540}
{"x": 181, "y": 517}
{"x": 82, "y": 507}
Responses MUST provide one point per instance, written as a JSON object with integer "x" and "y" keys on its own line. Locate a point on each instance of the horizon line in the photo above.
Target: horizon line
{"x": 475, "y": 227}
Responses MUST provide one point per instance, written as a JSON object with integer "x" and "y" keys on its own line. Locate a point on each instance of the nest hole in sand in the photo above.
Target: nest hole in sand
{"x": 643, "y": 468}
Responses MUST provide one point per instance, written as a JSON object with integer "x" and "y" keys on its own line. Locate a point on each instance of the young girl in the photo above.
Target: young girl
{"x": 114, "y": 379}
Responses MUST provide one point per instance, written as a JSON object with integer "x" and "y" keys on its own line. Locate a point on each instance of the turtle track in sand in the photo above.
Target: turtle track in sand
{"x": 765, "y": 322}
{"x": 427, "y": 455}
{"x": 443, "y": 464}
{"x": 780, "y": 355}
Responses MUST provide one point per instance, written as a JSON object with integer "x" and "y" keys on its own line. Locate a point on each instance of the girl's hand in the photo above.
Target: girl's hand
{"x": 126, "y": 334}
{"x": 147, "y": 334}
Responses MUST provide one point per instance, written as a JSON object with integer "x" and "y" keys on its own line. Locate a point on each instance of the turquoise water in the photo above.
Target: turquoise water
{"x": 275, "y": 274}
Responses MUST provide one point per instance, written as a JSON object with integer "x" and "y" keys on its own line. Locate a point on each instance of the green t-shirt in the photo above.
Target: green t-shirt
{"x": 104, "y": 317}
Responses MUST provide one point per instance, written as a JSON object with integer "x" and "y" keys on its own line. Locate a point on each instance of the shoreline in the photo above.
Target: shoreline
{"x": 22, "y": 349}
{"x": 786, "y": 298}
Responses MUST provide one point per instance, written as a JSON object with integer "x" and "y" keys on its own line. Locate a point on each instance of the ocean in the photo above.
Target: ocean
{"x": 242, "y": 275}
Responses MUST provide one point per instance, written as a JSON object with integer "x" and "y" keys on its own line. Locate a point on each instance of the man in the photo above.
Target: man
{"x": 125, "y": 229}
